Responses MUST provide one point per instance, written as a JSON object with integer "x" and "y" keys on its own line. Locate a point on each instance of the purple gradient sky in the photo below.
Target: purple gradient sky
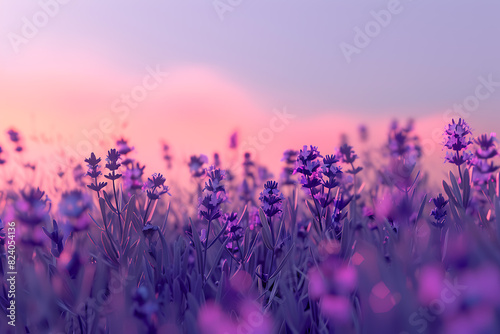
{"x": 266, "y": 54}
{"x": 287, "y": 52}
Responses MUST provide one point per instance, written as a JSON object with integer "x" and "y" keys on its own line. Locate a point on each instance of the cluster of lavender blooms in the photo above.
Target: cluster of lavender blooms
{"x": 483, "y": 159}
{"x": 457, "y": 140}
{"x": 338, "y": 244}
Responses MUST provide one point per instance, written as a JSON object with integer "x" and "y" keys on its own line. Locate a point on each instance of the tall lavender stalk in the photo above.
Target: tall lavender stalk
{"x": 457, "y": 140}
{"x": 210, "y": 204}
{"x": 113, "y": 165}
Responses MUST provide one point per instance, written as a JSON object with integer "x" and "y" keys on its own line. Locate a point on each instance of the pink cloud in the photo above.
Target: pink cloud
{"x": 194, "y": 108}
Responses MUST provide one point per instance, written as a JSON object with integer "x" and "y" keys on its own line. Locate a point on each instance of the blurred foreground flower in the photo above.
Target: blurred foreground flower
{"x": 32, "y": 207}
{"x": 74, "y": 205}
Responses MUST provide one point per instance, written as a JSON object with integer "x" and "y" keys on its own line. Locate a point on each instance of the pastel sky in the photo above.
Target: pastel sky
{"x": 232, "y": 64}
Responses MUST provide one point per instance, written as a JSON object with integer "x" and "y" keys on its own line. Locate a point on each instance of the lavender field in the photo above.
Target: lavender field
{"x": 342, "y": 241}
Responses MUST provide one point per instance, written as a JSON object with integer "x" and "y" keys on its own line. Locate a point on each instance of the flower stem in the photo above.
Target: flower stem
{"x": 459, "y": 170}
{"x": 146, "y": 213}
{"x": 117, "y": 208}
{"x": 206, "y": 250}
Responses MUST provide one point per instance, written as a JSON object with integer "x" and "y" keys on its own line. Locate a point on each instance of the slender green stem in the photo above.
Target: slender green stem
{"x": 96, "y": 184}
{"x": 459, "y": 170}
{"x": 271, "y": 267}
{"x": 315, "y": 204}
{"x": 354, "y": 192}
{"x": 206, "y": 250}
{"x": 117, "y": 208}
{"x": 146, "y": 213}
{"x": 270, "y": 223}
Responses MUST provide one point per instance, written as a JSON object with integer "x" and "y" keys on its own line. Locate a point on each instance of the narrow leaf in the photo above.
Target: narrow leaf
{"x": 422, "y": 206}
{"x": 449, "y": 193}
{"x": 110, "y": 250}
{"x": 456, "y": 189}
{"x": 128, "y": 218}
{"x": 197, "y": 247}
{"x": 278, "y": 270}
{"x": 466, "y": 187}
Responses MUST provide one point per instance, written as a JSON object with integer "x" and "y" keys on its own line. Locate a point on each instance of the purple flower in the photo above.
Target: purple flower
{"x": 32, "y": 208}
{"x": 155, "y": 187}
{"x": 248, "y": 166}
{"x": 123, "y": 147}
{"x": 439, "y": 212}
{"x": 74, "y": 203}
{"x": 217, "y": 161}
{"x": 94, "y": 172}
{"x": 97, "y": 186}
{"x": 15, "y": 139}
{"x": 309, "y": 165}
{"x": 2, "y": 161}
{"x": 209, "y": 204}
{"x": 311, "y": 181}
{"x": 234, "y": 232}
{"x": 363, "y": 133}
{"x": 271, "y": 199}
{"x": 166, "y": 155}
{"x": 487, "y": 146}
{"x": 214, "y": 183}
{"x": 132, "y": 178}
{"x": 145, "y": 307}
{"x": 323, "y": 199}
{"x": 401, "y": 142}
{"x": 14, "y": 136}
{"x": 310, "y": 154}
{"x": 331, "y": 171}
{"x": 78, "y": 174}
{"x": 246, "y": 194}
{"x": 233, "y": 140}
{"x": 483, "y": 167}
{"x": 290, "y": 158}
{"x": 481, "y": 160}
{"x": 456, "y": 135}
{"x": 346, "y": 154}
{"x": 196, "y": 165}
{"x": 309, "y": 168}
{"x": 112, "y": 164}
{"x": 93, "y": 164}
{"x": 264, "y": 173}
{"x": 458, "y": 158}
{"x": 457, "y": 139}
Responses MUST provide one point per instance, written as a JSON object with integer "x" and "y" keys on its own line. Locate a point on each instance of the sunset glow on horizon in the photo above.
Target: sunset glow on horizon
{"x": 232, "y": 166}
